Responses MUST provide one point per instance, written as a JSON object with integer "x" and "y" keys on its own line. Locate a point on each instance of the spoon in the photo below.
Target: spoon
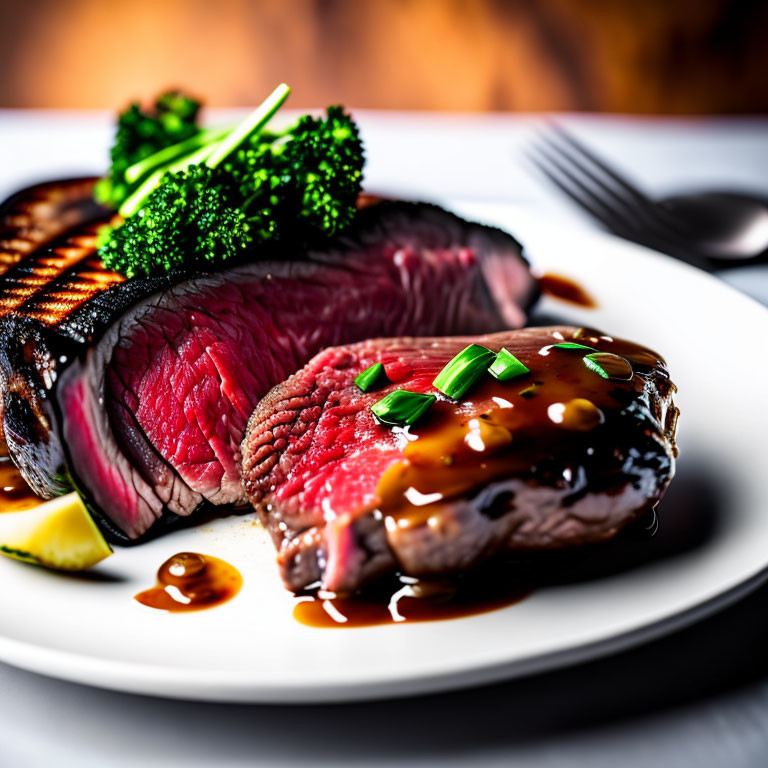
{"x": 728, "y": 226}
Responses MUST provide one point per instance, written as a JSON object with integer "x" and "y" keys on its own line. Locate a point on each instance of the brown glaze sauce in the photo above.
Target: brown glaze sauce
{"x": 502, "y": 429}
{"x": 565, "y": 289}
{"x": 189, "y": 581}
{"x": 406, "y": 600}
{"x": 15, "y": 494}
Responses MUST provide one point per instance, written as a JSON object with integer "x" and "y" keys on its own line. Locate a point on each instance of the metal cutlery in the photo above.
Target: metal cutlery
{"x": 711, "y": 230}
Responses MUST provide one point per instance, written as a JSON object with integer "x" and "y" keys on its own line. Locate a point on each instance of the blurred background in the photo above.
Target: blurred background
{"x": 631, "y": 56}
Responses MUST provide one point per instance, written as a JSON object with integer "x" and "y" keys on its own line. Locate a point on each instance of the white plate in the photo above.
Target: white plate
{"x": 713, "y": 543}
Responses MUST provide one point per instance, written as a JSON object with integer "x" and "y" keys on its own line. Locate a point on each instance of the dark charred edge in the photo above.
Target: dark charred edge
{"x": 21, "y": 222}
{"x": 168, "y": 522}
{"x": 27, "y": 423}
{"x": 88, "y": 323}
{"x": 305, "y": 564}
{"x": 33, "y": 355}
{"x": 495, "y": 501}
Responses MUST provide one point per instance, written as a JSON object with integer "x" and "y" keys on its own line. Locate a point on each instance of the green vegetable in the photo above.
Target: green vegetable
{"x": 571, "y": 345}
{"x": 164, "y": 157}
{"x": 401, "y": 407}
{"x": 211, "y": 153}
{"x": 595, "y": 367}
{"x": 371, "y": 378}
{"x": 141, "y": 133}
{"x": 305, "y": 180}
{"x": 506, "y": 366}
{"x": 140, "y": 194}
{"x": 609, "y": 366}
{"x": 250, "y": 126}
{"x": 463, "y": 371}
{"x": 294, "y": 186}
{"x": 191, "y": 218}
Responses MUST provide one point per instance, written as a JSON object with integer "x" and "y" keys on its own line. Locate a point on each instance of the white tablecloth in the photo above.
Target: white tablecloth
{"x": 699, "y": 697}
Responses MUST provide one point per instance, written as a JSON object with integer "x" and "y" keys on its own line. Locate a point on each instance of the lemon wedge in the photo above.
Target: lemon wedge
{"x": 57, "y": 534}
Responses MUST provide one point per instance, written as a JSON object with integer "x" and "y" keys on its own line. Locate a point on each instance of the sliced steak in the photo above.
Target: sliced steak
{"x": 562, "y": 456}
{"x": 139, "y": 390}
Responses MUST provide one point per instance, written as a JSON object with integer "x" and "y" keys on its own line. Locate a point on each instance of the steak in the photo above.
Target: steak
{"x": 560, "y": 457}
{"x": 138, "y": 391}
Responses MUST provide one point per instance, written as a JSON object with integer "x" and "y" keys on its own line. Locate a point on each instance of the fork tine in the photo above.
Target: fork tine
{"x": 583, "y": 195}
{"x": 588, "y": 162}
{"x": 571, "y": 186}
{"x": 586, "y": 154}
{"x": 627, "y": 199}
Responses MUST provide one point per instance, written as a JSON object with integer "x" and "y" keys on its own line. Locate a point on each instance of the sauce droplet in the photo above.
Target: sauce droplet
{"x": 189, "y": 581}
{"x": 563, "y": 288}
{"x": 578, "y": 414}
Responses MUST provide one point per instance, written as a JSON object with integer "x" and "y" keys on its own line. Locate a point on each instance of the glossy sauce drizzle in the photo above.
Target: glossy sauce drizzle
{"x": 504, "y": 429}
{"x": 189, "y": 581}
{"x": 15, "y": 494}
{"x": 565, "y": 289}
{"x": 410, "y": 600}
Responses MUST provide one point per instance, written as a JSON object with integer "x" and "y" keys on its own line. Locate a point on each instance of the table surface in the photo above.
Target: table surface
{"x": 698, "y": 697}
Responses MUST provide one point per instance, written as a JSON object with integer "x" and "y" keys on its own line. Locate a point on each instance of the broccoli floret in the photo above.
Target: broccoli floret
{"x": 307, "y": 178}
{"x": 141, "y": 133}
{"x": 296, "y": 186}
{"x": 192, "y": 217}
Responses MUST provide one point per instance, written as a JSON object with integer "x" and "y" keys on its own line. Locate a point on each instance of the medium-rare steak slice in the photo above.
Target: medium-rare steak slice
{"x": 139, "y": 390}
{"x": 561, "y": 456}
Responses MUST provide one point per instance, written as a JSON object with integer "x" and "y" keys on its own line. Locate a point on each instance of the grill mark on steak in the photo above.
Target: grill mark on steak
{"x": 329, "y": 482}
{"x": 402, "y": 268}
{"x": 37, "y": 215}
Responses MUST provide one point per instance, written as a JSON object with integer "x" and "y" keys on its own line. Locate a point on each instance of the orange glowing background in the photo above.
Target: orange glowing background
{"x": 643, "y": 56}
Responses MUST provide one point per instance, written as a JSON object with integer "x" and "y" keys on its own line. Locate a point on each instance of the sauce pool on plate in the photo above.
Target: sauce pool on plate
{"x": 189, "y": 581}
{"x": 407, "y": 600}
{"x": 565, "y": 289}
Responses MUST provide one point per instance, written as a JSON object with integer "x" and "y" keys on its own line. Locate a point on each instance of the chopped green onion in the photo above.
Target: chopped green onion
{"x": 571, "y": 345}
{"x": 506, "y": 366}
{"x": 463, "y": 371}
{"x": 371, "y": 378}
{"x": 168, "y": 154}
{"x": 252, "y": 124}
{"x": 609, "y": 366}
{"x": 401, "y": 407}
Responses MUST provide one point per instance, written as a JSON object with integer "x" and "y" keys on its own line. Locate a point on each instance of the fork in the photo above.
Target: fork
{"x": 614, "y": 201}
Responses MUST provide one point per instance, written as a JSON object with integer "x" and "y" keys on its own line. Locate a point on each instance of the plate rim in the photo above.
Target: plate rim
{"x": 142, "y": 679}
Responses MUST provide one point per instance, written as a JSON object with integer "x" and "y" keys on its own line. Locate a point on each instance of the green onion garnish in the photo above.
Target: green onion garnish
{"x": 463, "y": 371}
{"x": 609, "y": 366}
{"x": 528, "y": 392}
{"x": 571, "y": 345}
{"x": 371, "y": 378}
{"x": 401, "y": 407}
{"x": 506, "y": 366}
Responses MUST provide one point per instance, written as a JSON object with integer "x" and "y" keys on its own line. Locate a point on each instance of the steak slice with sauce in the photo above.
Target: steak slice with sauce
{"x": 557, "y": 458}
{"x": 138, "y": 391}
